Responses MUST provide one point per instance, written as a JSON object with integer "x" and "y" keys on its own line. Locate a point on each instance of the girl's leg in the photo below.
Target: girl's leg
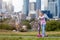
{"x": 39, "y": 28}
{"x": 39, "y": 35}
{"x": 43, "y": 29}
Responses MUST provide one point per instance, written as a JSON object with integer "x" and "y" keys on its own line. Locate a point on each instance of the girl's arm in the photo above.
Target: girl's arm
{"x": 46, "y": 16}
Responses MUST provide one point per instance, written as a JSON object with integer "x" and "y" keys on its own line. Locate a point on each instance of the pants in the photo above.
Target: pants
{"x": 43, "y": 29}
{"x": 39, "y": 26}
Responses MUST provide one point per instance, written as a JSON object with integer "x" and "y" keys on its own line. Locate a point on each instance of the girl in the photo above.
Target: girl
{"x": 42, "y": 23}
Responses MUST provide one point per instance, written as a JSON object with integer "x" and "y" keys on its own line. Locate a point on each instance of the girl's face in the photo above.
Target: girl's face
{"x": 41, "y": 14}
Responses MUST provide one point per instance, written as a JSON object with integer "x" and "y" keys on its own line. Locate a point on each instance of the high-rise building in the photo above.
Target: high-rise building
{"x": 10, "y": 7}
{"x": 26, "y": 7}
{"x": 32, "y": 6}
{"x": 32, "y": 10}
{"x": 45, "y": 4}
{"x": 7, "y": 6}
{"x": 0, "y": 5}
{"x": 38, "y": 7}
{"x": 38, "y": 4}
{"x": 4, "y": 5}
{"x": 52, "y": 9}
{"x": 52, "y": 0}
{"x": 58, "y": 8}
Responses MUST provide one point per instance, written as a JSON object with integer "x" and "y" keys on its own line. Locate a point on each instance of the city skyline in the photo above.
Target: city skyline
{"x": 18, "y": 4}
{"x": 49, "y": 7}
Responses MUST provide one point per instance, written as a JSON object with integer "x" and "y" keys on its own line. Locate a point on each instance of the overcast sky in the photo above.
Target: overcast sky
{"x": 19, "y": 3}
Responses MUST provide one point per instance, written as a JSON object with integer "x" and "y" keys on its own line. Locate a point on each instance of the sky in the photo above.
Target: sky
{"x": 18, "y": 4}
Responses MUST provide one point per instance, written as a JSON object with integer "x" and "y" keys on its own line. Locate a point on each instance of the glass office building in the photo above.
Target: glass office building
{"x": 58, "y": 8}
{"x": 0, "y": 4}
{"x": 26, "y": 7}
{"x": 38, "y": 4}
{"x": 51, "y": 0}
{"x": 32, "y": 6}
{"x": 54, "y": 7}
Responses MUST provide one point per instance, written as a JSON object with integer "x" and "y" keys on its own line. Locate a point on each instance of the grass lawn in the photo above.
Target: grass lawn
{"x": 25, "y": 38}
{"x": 10, "y": 35}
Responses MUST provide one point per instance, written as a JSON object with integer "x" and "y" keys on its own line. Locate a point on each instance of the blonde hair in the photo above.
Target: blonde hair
{"x": 40, "y": 13}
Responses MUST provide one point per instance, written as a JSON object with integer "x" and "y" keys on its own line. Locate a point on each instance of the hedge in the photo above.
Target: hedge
{"x": 53, "y": 25}
{"x": 27, "y": 23}
{"x": 6, "y": 27}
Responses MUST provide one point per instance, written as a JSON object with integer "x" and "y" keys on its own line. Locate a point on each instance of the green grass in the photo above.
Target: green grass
{"x": 10, "y": 35}
{"x": 23, "y": 38}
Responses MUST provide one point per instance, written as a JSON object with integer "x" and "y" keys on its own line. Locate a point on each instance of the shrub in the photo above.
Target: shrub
{"x": 53, "y": 25}
{"x": 27, "y": 23}
{"x": 4, "y": 19}
{"x": 22, "y": 30}
{"x": 6, "y": 27}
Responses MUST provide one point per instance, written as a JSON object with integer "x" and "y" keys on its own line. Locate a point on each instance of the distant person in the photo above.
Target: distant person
{"x": 42, "y": 23}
